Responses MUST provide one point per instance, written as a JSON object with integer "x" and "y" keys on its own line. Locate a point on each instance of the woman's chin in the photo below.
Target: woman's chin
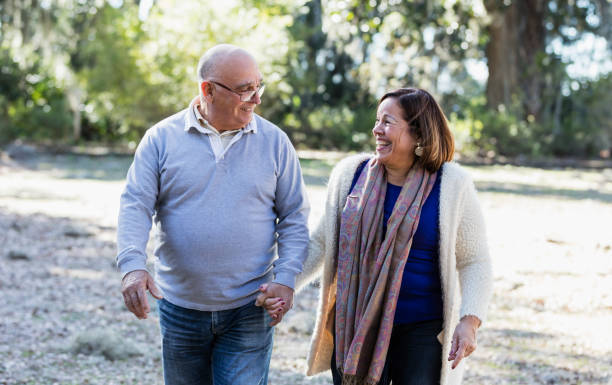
{"x": 381, "y": 157}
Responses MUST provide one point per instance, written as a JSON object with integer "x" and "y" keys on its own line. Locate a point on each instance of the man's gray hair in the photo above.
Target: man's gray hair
{"x": 205, "y": 67}
{"x": 208, "y": 62}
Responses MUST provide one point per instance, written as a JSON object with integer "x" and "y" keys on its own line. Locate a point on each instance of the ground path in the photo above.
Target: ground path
{"x": 62, "y": 320}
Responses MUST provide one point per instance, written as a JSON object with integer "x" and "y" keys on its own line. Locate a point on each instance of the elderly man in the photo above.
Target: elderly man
{"x": 225, "y": 190}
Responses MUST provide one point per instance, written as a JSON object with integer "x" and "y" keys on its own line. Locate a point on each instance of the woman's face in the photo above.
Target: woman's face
{"x": 394, "y": 143}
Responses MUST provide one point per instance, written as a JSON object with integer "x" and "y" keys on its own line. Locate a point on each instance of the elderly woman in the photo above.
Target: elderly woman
{"x": 406, "y": 270}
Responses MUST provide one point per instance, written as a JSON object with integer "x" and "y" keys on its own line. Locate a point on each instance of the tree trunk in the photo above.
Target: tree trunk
{"x": 76, "y": 125}
{"x": 517, "y": 41}
{"x": 75, "y": 96}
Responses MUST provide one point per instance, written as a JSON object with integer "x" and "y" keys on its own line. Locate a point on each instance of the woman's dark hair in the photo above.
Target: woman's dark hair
{"x": 427, "y": 124}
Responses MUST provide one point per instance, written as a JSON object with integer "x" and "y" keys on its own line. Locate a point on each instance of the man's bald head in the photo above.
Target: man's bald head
{"x": 226, "y": 73}
{"x": 217, "y": 57}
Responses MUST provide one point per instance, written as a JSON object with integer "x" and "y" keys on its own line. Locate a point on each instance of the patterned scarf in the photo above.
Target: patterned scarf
{"x": 370, "y": 269}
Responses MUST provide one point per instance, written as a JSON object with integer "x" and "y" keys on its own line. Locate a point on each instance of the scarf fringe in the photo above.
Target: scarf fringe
{"x": 350, "y": 379}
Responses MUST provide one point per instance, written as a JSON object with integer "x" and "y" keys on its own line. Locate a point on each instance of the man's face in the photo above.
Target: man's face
{"x": 226, "y": 111}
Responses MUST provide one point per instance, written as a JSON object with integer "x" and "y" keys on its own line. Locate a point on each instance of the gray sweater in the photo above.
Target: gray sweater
{"x": 223, "y": 227}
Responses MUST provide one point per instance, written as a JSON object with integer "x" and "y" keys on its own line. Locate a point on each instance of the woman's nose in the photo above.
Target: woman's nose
{"x": 377, "y": 129}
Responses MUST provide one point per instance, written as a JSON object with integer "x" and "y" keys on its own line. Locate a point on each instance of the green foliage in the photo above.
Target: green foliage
{"x": 336, "y": 128}
{"x": 321, "y": 104}
{"x": 44, "y": 116}
{"x": 120, "y": 101}
{"x": 500, "y": 132}
{"x": 12, "y": 89}
{"x": 583, "y": 127}
{"x": 31, "y": 104}
{"x": 586, "y": 121}
{"x": 324, "y": 63}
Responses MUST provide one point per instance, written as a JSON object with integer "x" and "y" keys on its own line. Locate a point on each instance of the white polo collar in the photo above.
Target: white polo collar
{"x": 195, "y": 120}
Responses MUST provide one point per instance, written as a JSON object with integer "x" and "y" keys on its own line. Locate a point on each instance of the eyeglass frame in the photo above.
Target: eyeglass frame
{"x": 242, "y": 95}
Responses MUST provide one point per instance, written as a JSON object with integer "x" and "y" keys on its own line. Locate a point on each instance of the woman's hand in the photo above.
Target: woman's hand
{"x": 464, "y": 339}
{"x": 275, "y": 306}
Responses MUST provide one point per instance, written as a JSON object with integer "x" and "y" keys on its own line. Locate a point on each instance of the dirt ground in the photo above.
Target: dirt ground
{"x": 62, "y": 320}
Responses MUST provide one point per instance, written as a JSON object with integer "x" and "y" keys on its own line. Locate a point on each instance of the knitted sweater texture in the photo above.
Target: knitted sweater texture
{"x": 465, "y": 265}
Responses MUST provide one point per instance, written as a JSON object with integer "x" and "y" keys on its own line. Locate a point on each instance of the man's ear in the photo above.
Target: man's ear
{"x": 207, "y": 91}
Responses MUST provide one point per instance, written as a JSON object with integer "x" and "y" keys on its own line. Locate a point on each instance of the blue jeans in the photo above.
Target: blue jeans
{"x": 220, "y": 347}
{"x": 414, "y": 356}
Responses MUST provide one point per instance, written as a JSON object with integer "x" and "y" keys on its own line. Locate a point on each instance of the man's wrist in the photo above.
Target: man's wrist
{"x": 130, "y": 272}
{"x": 285, "y": 279}
{"x": 282, "y": 284}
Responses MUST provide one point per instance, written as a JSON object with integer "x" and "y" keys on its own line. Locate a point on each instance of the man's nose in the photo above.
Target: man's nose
{"x": 256, "y": 99}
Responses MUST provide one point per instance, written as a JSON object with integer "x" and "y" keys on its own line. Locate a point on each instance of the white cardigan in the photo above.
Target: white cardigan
{"x": 464, "y": 259}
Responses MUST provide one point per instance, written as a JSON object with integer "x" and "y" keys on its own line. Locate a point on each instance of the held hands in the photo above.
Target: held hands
{"x": 277, "y": 299}
{"x": 133, "y": 287}
{"x": 464, "y": 339}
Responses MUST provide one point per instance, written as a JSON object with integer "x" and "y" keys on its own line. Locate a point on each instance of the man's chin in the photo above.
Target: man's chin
{"x": 246, "y": 118}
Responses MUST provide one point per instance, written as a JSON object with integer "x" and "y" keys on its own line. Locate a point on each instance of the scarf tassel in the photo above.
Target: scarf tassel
{"x": 351, "y": 379}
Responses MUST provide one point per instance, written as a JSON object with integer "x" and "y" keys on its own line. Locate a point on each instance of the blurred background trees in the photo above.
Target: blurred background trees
{"x": 515, "y": 77}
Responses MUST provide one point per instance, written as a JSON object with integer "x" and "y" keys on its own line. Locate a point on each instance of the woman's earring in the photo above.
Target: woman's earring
{"x": 418, "y": 151}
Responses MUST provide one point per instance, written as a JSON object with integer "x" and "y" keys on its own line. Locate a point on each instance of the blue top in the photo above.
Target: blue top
{"x": 224, "y": 226}
{"x": 420, "y": 297}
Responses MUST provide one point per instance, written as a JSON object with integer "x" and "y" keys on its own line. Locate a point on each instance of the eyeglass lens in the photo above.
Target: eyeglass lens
{"x": 245, "y": 97}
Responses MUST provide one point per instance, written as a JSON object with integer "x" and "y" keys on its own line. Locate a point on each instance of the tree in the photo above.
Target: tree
{"x": 516, "y": 42}
{"x": 519, "y": 33}
{"x": 55, "y": 36}
{"x": 324, "y": 105}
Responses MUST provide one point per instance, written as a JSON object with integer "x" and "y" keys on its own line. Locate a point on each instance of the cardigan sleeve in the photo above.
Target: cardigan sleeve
{"x": 473, "y": 261}
{"x": 323, "y": 240}
{"x": 314, "y": 260}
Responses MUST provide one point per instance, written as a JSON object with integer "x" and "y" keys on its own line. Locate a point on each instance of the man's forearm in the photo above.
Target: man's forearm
{"x": 132, "y": 237}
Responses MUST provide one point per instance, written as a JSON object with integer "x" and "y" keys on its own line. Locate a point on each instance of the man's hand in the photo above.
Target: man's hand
{"x": 134, "y": 288}
{"x": 464, "y": 339}
{"x": 277, "y": 299}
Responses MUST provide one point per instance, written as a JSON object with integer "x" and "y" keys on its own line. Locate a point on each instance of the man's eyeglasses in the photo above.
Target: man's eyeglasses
{"x": 245, "y": 96}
